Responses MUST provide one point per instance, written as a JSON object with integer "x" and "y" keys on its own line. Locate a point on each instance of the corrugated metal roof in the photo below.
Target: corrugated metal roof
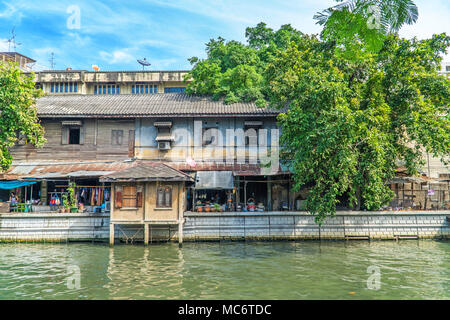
{"x": 148, "y": 172}
{"x": 125, "y": 105}
{"x": 137, "y": 170}
{"x": 64, "y": 169}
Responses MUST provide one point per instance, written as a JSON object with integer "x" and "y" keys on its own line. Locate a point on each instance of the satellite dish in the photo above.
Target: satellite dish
{"x": 144, "y": 63}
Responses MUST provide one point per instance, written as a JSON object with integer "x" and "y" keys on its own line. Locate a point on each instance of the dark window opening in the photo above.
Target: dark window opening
{"x": 116, "y": 137}
{"x": 74, "y": 136}
{"x": 209, "y": 136}
{"x": 164, "y": 197}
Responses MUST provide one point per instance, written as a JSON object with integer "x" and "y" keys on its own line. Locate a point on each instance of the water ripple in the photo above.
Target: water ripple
{"x": 229, "y": 270}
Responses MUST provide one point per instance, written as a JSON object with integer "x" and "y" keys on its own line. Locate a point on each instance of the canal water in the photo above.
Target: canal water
{"x": 229, "y": 270}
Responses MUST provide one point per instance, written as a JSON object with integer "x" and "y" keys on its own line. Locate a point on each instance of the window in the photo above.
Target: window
{"x": 251, "y": 137}
{"x": 209, "y": 136}
{"x": 63, "y": 87}
{"x": 74, "y": 135}
{"x": 116, "y": 137}
{"x": 72, "y": 132}
{"x": 174, "y": 90}
{"x": 143, "y": 88}
{"x": 106, "y": 89}
{"x": 251, "y": 132}
{"x": 129, "y": 197}
{"x": 164, "y": 197}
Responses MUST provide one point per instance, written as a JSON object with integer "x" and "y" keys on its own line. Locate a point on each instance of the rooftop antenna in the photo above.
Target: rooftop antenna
{"x": 144, "y": 63}
{"x": 13, "y": 40}
{"x": 52, "y": 61}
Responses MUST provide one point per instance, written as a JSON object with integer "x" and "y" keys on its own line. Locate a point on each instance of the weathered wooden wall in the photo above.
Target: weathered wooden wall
{"x": 97, "y": 142}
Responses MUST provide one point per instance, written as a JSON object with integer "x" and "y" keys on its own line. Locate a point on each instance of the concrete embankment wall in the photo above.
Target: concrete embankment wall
{"x": 53, "y": 227}
{"x": 232, "y": 226}
{"x": 298, "y": 225}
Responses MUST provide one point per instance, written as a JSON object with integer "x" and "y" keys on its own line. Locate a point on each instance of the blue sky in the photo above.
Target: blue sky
{"x": 113, "y": 34}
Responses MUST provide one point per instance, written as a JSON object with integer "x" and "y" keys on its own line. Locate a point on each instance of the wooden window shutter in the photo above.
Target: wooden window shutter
{"x": 82, "y": 133}
{"x": 139, "y": 200}
{"x": 118, "y": 197}
{"x": 64, "y": 135}
{"x": 139, "y": 197}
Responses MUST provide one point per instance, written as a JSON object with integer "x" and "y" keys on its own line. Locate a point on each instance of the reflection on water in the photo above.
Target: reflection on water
{"x": 229, "y": 270}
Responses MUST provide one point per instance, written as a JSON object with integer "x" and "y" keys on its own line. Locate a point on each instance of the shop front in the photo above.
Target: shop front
{"x": 214, "y": 191}
{"x": 18, "y": 195}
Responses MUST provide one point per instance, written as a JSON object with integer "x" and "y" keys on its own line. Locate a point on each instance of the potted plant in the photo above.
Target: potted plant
{"x": 217, "y": 207}
{"x": 65, "y": 203}
{"x": 207, "y": 208}
{"x": 72, "y": 202}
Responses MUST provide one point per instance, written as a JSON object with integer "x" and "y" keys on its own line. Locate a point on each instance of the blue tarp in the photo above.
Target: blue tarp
{"x": 7, "y": 185}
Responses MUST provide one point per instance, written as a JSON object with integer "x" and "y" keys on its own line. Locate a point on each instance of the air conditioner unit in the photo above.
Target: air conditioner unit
{"x": 164, "y": 145}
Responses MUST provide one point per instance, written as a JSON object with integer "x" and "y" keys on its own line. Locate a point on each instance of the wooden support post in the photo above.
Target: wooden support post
{"x": 269, "y": 193}
{"x": 111, "y": 234}
{"x": 238, "y": 194}
{"x": 180, "y": 233}
{"x": 146, "y": 234}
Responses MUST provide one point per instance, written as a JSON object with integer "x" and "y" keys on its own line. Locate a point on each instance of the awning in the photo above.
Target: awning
{"x": 214, "y": 180}
{"x": 165, "y": 137}
{"x": 7, "y": 185}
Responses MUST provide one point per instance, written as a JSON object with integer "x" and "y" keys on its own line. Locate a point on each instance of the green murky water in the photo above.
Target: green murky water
{"x": 236, "y": 270}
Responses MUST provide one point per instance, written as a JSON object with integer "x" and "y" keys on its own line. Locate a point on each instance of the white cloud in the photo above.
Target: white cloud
{"x": 117, "y": 56}
{"x": 9, "y": 10}
{"x": 3, "y": 44}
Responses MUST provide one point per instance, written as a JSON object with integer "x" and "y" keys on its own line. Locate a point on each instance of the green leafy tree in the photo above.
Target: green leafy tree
{"x": 353, "y": 115}
{"x": 18, "y": 115}
{"x": 235, "y": 71}
{"x": 350, "y": 123}
{"x": 367, "y": 21}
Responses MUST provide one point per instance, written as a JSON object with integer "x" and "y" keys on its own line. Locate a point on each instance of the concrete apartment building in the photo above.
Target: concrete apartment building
{"x": 22, "y": 61}
{"x": 66, "y": 82}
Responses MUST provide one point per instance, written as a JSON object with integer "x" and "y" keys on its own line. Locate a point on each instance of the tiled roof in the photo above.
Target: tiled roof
{"x": 150, "y": 171}
{"x": 135, "y": 106}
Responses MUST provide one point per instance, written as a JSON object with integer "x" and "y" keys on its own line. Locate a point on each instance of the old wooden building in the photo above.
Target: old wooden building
{"x": 147, "y": 158}
{"x": 149, "y": 194}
